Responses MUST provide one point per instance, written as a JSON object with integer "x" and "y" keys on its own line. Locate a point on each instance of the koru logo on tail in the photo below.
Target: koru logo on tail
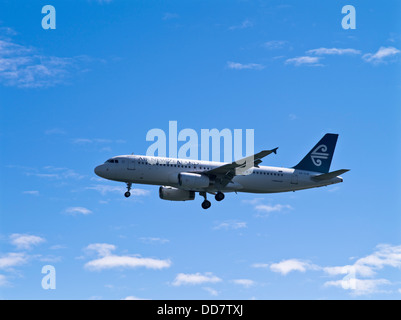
{"x": 319, "y": 154}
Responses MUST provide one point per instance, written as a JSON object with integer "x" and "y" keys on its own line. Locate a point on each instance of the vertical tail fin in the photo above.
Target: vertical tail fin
{"x": 319, "y": 158}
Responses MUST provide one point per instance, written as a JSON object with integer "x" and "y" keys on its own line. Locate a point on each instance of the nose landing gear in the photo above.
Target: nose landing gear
{"x": 128, "y": 193}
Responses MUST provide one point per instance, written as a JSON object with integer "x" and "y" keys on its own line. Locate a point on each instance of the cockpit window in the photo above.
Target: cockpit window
{"x": 112, "y": 161}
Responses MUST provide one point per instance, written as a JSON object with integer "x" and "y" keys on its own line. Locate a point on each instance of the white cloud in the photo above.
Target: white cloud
{"x": 102, "y": 249}
{"x": 365, "y": 271}
{"x": 253, "y": 201}
{"x": 274, "y": 44}
{"x": 104, "y": 189}
{"x": 359, "y": 286}
{"x": 32, "y": 71}
{"x": 114, "y": 261}
{"x": 8, "y": 31}
{"x": 211, "y": 291}
{"x": 82, "y": 140}
{"x": 260, "y": 265}
{"x": 139, "y": 192}
{"x": 50, "y": 172}
{"x": 9, "y": 48}
{"x": 385, "y": 255}
{"x": 154, "y": 240}
{"x": 231, "y": 224}
{"x": 107, "y": 260}
{"x": 169, "y": 16}
{"x": 3, "y": 280}
{"x": 267, "y": 209}
{"x": 25, "y": 241}
{"x": 305, "y": 60}
{"x": 381, "y": 56}
{"x": 31, "y": 192}
{"x": 244, "y": 24}
{"x": 55, "y": 131}
{"x": 244, "y": 282}
{"x": 333, "y": 51}
{"x": 195, "y": 278}
{"x": 241, "y": 66}
{"x": 358, "y": 278}
{"x": 77, "y": 210}
{"x": 24, "y": 67}
{"x": 11, "y": 260}
{"x": 286, "y": 266}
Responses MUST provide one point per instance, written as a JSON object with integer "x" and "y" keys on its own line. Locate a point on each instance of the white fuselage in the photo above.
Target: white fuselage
{"x": 164, "y": 172}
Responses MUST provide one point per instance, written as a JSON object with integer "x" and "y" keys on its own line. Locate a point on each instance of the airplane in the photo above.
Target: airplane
{"x": 180, "y": 179}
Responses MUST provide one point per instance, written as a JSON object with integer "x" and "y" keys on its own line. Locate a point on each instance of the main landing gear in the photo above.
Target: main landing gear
{"x": 219, "y": 196}
{"x": 128, "y": 193}
{"x": 206, "y": 203}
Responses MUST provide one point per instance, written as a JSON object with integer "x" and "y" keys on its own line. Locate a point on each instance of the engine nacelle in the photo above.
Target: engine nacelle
{"x": 188, "y": 180}
{"x": 174, "y": 194}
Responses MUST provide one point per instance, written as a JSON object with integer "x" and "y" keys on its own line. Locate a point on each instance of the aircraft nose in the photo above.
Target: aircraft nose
{"x": 99, "y": 170}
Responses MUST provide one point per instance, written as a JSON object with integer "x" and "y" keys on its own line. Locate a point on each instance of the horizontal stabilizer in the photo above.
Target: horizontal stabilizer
{"x": 330, "y": 175}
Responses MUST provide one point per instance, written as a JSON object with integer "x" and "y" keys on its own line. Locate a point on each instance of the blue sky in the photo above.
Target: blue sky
{"x": 72, "y": 97}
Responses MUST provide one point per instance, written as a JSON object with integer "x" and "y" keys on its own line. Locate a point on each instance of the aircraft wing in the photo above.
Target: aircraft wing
{"x": 228, "y": 171}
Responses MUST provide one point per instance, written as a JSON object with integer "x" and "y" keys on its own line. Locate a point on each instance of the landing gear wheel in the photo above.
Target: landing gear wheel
{"x": 219, "y": 196}
{"x": 206, "y": 204}
{"x": 128, "y": 193}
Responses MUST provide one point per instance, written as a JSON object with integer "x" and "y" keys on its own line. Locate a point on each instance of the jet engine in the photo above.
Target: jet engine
{"x": 174, "y": 194}
{"x": 188, "y": 180}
